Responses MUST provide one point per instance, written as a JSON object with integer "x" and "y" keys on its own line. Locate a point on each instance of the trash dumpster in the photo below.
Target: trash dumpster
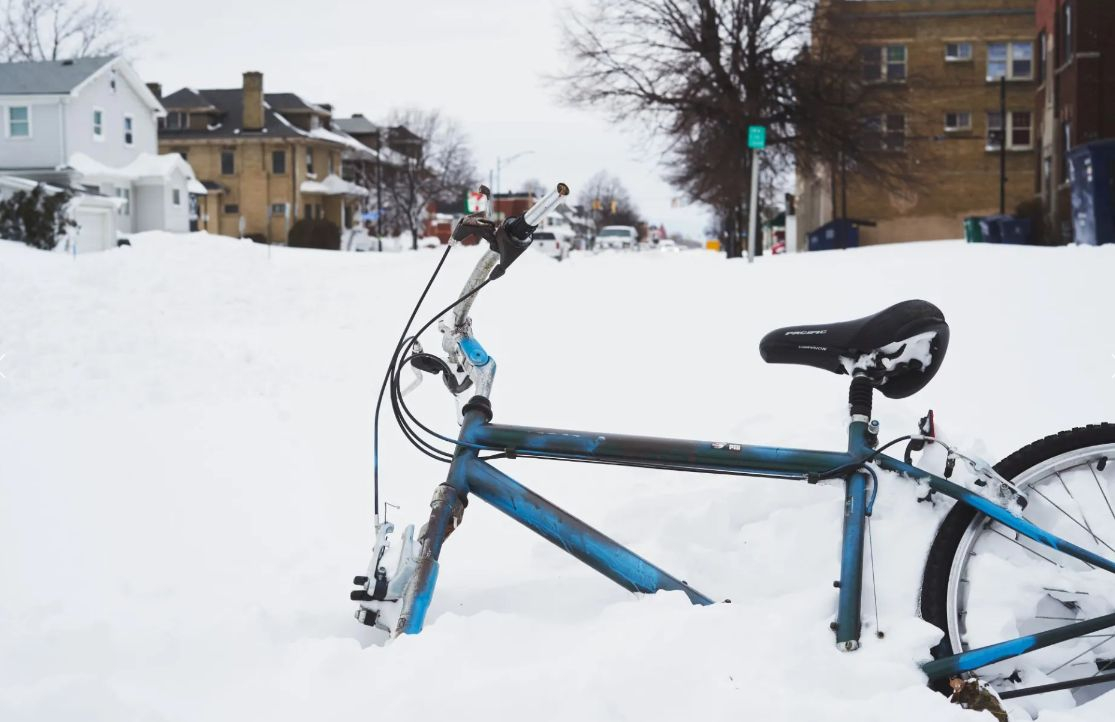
{"x": 1092, "y": 171}
{"x": 972, "y": 231}
{"x": 840, "y": 233}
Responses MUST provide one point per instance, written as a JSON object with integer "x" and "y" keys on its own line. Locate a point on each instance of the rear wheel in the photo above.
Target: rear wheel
{"x": 984, "y": 583}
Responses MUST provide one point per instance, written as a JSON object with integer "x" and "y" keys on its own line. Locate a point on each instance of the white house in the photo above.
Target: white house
{"x": 92, "y": 125}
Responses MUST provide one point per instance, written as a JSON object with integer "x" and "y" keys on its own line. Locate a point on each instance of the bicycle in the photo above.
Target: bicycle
{"x": 1027, "y": 534}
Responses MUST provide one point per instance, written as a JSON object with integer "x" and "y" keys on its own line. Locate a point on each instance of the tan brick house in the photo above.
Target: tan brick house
{"x": 268, "y": 159}
{"x": 940, "y": 61}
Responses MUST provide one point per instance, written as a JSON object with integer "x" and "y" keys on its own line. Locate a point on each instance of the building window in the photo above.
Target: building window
{"x": 98, "y": 125}
{"x": 309, "y": 161}
{"x": 228, "y": 162}
{"x": 958, "y": 121}
{"x": 232, "y": 209}
{"x": 331, "y": 166}
{"x": 129, "y": 135}
{"x": 176, "y": 120}
{"x": 1014, "y": 61}
{"x": 176, "y": 196}
{"x": 126, "y": 194}
{"x": 1019, "y": 130}
{"x": 278, "y": 162}
{"x": 958, "y": 52}
{"x": 278, "y": 209}
{"x": 309, "y": 213}
{"x": 320, "y": 211}
{"x": 19, "y": 121}
{"x": 886, "y": 132}
{"x": 884, "y": 63}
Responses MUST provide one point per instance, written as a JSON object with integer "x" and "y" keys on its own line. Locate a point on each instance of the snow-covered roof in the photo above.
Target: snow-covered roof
{"x": 147, "y": 167}
{"x": 333, "y": 185}
{"x": 343, "y": 139}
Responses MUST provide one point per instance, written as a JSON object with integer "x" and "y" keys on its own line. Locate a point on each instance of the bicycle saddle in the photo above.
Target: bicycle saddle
{"x": 899, "y": 349}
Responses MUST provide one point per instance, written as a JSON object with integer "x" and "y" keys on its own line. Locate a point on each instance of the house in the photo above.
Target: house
{"x": 394, "y": 146}
{"x": 934, "y": 67}
{"x": 91, "y": 124}
{"x": 1075, "y": 101}
{"x": 267, "y": 160}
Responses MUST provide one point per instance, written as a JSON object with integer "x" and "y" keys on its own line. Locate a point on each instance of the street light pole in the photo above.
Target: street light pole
{"x": 499, "y": 169}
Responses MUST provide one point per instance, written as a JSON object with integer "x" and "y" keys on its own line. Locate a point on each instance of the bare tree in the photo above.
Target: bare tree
{"x": 534, "y": 187}
{"x": 699, "y": 72}
{"x": 60, "y": 29}
{"x": 608, "y": 202}
{"x": 437, "y": 166}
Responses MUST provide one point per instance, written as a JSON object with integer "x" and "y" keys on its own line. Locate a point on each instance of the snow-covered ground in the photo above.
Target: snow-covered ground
{"x": 185, "y": 479}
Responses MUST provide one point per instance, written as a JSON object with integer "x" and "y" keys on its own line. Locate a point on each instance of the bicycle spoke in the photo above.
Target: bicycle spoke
{"x": 1089, "y": 649}
{"x": 1102, "y": 492}
{"x": 1015, "y": 541}
{"x": 1072, "y": 518}
{"x": 1081, "y": 508}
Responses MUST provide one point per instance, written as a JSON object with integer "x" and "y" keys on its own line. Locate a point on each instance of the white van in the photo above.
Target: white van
{"x": 617, "y": 237}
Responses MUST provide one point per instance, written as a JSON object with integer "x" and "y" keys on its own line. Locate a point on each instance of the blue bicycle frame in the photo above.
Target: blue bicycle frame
{"x": 469, "y": 475}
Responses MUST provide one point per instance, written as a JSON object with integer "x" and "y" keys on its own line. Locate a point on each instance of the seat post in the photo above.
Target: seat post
{"x": 860, "y": 397}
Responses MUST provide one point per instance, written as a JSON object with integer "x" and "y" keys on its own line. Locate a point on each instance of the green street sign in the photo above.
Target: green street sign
{"x": 757, "y": 137}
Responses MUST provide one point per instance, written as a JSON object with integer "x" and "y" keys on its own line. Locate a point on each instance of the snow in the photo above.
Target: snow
{"x": 144, "y": 167}
{"x": 185, "y": 429}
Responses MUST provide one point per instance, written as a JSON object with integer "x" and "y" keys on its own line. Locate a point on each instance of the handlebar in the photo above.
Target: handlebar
{"x": 507, "y": 242}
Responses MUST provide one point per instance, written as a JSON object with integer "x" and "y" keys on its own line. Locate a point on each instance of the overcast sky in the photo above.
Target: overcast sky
{"x": 482, "y": 62}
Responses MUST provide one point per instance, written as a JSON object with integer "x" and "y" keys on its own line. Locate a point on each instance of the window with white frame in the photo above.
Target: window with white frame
{"x": 278, "y": 209}
{"x": 883, "y": 63}
{"x": 98, "y": 124}
{"x": 885, "y": 132}
{"x": 176, "y": 196}
{"x": 126, "y": 194}
{"x": 958, "y": 52}
{"x": 1014, "y": 61}
{"x": 1019, "y": 132}
{"x": 19, "y": 121}
{"x": 129, "y": 130}
{"x": 959, "y": 121}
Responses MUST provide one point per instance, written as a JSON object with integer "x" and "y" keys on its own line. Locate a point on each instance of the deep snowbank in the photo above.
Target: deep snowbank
{"x": 185, "y": 492}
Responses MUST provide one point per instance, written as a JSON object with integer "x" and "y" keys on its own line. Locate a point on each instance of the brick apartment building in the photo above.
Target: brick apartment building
{"x": 940, "y": 61}
{"x": 268, "y": 160}
{"x": 1075, "y": 96}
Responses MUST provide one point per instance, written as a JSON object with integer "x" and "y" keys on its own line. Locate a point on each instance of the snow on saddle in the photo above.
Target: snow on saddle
{"x": 899, "y": 349}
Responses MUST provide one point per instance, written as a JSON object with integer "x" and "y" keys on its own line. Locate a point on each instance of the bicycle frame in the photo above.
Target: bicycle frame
{"x": 469, "y": 474}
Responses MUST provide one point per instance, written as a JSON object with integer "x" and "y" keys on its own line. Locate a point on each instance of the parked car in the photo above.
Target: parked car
{"x": 617, "y": 237}
{"x": 552, "y": 244}
{"x": 668, "y": 246}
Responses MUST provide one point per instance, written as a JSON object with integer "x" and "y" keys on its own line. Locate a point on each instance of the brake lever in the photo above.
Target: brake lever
{"x": 433, "y": 365}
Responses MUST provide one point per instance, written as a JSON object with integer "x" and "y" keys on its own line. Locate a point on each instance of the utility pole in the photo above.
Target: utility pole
{"x": 1003, "y": 146}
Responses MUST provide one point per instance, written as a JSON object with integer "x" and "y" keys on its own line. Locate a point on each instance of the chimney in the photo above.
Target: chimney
{"x": 253, "y": 101}
{"x": 156, "y": 90}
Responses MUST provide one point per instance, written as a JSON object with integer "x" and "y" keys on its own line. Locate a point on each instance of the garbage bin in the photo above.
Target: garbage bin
{"x": 1016, "y": 230}
{"x": 835, "y": 234}
{"x": 1092, "y": 172}
{"x": 992, "y": 228}
{"x": 972, "y": 231}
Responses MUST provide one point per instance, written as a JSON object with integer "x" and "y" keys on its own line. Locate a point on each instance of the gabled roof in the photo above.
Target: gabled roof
{"x": 356, "y": 125}
{"x": 186, "y": 99}
{"x": 48, "y": 77}
{"x": 292, "y": 102}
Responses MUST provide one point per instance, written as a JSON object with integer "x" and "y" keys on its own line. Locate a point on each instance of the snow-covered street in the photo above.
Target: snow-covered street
{"x": 186, "y": 456}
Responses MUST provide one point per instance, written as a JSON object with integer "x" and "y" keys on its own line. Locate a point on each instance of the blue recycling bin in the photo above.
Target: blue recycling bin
{"x": 1016, "y": 230}
{"x": 840, "y": 233}
{"x": 1092, "y": 172}
{"x": 992, "y": 227}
